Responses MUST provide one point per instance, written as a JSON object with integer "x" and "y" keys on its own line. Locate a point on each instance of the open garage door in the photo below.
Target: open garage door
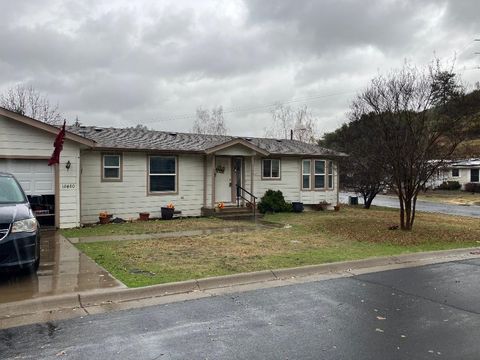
{"x": 38, "y": 181}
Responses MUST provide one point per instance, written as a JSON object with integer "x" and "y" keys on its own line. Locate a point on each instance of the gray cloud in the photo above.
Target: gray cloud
{"x": 122, "y": 63}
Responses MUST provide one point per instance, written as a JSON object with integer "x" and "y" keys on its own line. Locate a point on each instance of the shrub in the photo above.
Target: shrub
{"x": 321, "y": 206}
{"x": 472, "y": 187}
{"x": 449, "y": 185}
{"x": 273, "y": 201}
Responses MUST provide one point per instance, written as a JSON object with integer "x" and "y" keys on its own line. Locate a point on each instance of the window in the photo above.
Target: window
{"x": 319, "y": 174}
{"x": 455, "y": 172}
{"x": 111, "y": 167}
{"x": 271, "y": 169}
{"x": 162, "y": 174}
{"x": 474, "y": 175}
{"x": 330, "y": 174}
{"x": 306, "y": 171}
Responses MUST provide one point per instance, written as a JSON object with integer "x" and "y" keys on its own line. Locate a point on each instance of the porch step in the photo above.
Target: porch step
{"x": 231, "y": 212}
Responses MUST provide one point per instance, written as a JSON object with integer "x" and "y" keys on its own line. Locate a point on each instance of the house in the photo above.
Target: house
{"x": 464, "y": 171}
{"x": 127, "y": 171}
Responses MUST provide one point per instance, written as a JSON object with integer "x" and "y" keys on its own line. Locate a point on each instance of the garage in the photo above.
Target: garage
{"x": 38, "y": 181}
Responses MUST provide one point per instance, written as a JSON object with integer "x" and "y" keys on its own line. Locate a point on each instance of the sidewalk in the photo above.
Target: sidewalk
{"x": 84, "y": 303}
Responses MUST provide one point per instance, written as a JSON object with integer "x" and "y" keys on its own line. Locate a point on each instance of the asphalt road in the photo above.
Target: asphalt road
{"x": 428, "y": 206}
{"x": 429, "y": 312}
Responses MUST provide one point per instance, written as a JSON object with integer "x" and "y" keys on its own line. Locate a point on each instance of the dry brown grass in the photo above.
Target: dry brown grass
{"x": 310, "y": 238}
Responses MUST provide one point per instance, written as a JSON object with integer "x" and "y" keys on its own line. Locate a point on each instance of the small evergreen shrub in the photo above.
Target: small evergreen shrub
{"x": 449, "y": 185}
{"x": 273, "y": 201}
{"x": 472, "y": 187}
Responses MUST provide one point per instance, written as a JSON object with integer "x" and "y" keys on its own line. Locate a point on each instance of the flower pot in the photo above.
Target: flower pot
{"x": 144, "y": 216}
{"x": 105, "y": 219}
{"x": 336, "y": 208}
{"x": 167, "y": 213}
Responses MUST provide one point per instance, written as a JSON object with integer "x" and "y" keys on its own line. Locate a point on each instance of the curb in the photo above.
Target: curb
{"x": 119, "y": 295}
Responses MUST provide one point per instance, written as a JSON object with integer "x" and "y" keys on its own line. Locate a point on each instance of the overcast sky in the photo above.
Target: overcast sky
{"x": 122, "y": 63}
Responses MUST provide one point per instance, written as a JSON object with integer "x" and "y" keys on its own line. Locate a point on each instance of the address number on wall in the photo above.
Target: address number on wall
{"x": 69, "y": 186}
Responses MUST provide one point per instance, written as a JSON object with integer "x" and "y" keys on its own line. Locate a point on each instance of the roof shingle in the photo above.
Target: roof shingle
{"x": 139, "y": 139}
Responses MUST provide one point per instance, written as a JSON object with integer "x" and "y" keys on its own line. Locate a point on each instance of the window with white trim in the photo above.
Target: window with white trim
{"x": 162, "y": 174}
{"x": 330, "y": 174}
{"x": 455, "y": 172}
{"x": 319, "y": 174}
{"x": 111, "y": 166}
{"x": 306, "y": 174}
{"x": 271, "y": 169}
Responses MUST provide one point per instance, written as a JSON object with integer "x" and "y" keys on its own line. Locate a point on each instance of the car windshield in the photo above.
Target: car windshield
{"x": 10, "y": 191}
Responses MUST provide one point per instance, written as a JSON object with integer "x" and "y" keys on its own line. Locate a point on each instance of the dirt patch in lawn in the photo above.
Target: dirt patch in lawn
{"x": 153, "y": 227}
{"x": 307, "y": 238}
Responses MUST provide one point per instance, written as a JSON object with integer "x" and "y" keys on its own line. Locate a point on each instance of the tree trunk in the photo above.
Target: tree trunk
{"x": 408, "y": 213}
{"x": 402, "y": 213}
{"x": 368, "y": 201}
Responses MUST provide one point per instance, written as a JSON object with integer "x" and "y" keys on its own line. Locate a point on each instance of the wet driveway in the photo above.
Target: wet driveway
{"x": 427, "y": 206}
{"x": 63, "y": 269}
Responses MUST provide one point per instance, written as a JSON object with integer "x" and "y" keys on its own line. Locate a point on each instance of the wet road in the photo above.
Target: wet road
{"x": 63, "y": 269}
{"x": 429, "y": 312}
{"x": 427, "y": 206}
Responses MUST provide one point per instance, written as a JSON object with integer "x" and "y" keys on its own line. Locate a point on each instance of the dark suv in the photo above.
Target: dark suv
{"x": 19, "y": 229}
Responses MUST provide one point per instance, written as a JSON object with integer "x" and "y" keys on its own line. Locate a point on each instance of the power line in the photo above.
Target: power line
{"x": 259, "y": 107}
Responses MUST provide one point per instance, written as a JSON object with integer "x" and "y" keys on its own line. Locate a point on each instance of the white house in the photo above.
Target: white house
{"x": 464, "y": 171}
{"x": 127, "y": 171}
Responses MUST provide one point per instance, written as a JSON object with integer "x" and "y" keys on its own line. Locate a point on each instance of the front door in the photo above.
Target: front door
{"x": 237, "y": 165}
{"x": 223, "y": 179}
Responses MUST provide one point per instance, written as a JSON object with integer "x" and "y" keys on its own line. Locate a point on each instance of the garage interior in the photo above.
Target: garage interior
{"x": 38, "y": 182}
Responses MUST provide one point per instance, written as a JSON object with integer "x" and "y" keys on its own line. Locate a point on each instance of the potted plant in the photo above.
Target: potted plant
{"x": 167, "y": 211}
{"x": 104, "y": 217}
{"x": 322, "y": 205}
{"x": 144, "y": 216}
{"x": 219, "y": 207}
{"x": 336, "y": 208}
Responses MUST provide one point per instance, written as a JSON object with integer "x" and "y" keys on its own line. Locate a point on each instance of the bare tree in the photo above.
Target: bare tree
{"x": 364, "y": 172}
{"x": 418, "y": 126}
{"x": 25, "y": 100}
{"x": 285, "y": 119}
{"x": 210, "y": 122}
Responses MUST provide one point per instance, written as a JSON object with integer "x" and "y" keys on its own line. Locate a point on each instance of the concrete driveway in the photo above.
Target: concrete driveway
{"x": 63, "y": 269}
{"x": 429, "y": 312}
{"x": 427, "y": 206}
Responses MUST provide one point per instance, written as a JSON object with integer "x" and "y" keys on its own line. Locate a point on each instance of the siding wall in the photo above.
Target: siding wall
{"x": 127, "y": 198}
{"x": 20, "y": 140}
{"x": 463, "y": 178}
{"x": 290, "y": 182}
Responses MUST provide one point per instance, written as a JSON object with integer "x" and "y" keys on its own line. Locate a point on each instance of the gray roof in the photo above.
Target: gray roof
{"x": 139, "y": 139}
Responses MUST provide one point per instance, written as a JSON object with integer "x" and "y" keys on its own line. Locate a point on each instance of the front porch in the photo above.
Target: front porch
{"x": 229, "y": 179}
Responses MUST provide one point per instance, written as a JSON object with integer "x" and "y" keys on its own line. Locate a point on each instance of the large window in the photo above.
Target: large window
{"x": 271, "y": 169}
{"x": 111, "y": 167}
{"x": 306, "y": 171}
{"x": 455, "y": 172}
{"x": 319, "y": 174}
{"x": 162, "y": 174}
{"x": 474, "y": 175}
{"x": 330, "y": 174}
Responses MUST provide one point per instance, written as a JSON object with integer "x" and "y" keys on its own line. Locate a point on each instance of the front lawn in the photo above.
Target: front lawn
{"x": 311, "y": 238}
{"x": 455, "y": 197}
{"x": 151, "y": 227}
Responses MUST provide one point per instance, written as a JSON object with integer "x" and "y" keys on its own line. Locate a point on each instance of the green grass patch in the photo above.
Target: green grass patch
{"x": 311, "y": 238}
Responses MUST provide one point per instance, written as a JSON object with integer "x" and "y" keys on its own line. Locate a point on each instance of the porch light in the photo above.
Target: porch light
{"x": 68, "y": 165}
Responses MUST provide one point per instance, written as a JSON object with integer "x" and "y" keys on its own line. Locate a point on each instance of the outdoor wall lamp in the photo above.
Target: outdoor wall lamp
{"x": 68, "y": 164}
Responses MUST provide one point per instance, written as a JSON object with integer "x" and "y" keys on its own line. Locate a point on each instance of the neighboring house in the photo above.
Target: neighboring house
{"x": 127, "y": 171}
{"x": 464, "y": 171}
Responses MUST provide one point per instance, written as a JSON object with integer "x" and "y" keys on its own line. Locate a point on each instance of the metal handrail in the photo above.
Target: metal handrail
{"x": 253, "y": 203}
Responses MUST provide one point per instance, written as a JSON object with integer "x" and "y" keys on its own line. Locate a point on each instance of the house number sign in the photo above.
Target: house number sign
{"x": 69, "y": 186}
